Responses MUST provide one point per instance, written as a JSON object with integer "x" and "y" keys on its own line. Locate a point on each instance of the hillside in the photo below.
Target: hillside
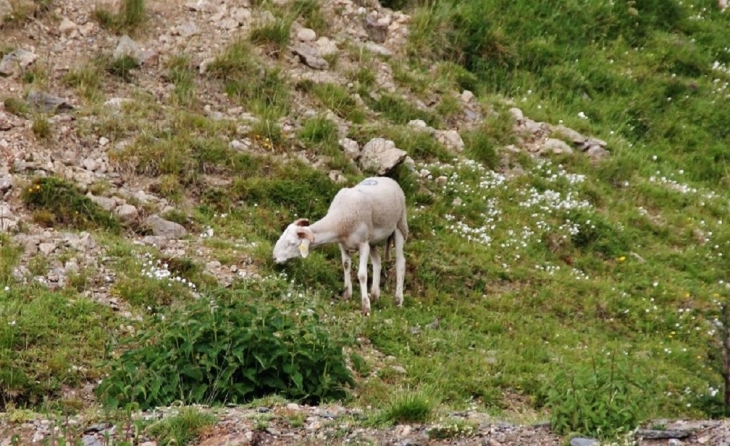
{"x": 565, "y": 168}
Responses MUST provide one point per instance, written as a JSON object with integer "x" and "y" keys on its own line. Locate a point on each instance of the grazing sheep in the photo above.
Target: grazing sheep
{"x": 359, "y": 218}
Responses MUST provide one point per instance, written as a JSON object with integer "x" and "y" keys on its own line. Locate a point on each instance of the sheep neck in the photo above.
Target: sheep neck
{"x": 326, "y": 231}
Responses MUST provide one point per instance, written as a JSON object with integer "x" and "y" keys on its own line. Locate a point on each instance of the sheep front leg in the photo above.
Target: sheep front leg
{"x": 346, "y": 265}
{"x": 375, "y": 287}
{"x": 400, "y": 267}
{"x": 362, "y": 276}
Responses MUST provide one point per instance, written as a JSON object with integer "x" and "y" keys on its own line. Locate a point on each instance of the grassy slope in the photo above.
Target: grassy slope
{"x": 568, "y": 267}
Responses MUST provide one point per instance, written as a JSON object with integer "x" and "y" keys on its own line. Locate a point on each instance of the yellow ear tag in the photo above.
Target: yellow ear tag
{"x": 304, "y": 249}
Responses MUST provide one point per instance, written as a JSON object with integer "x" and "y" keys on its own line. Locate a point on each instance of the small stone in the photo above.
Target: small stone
{"x": 381, "y": 156}
{"x": 103, "y": 141}
{"x": 398, "y": 369}
{"x": 6, "y": 183}
{"x": 165, "y": 228}
{"x": 306, "y": 35}
{"x": 326, "y": 46}
{"x": 106, "y": 203}
{"x": 467, "y": 96}
{"x": 47, "y": 102}
{"x": 556, "y": 146}
{"x": 451, "y": 139}
{"x": 581, "y": 441}
{"x": 310, "y": 57}
{"x": 90, "y": 164}
{"x": 126, "y": 213}
{"x": 378, "y": 49}
{"x": 15, "y": 61}
{"x": 351, "y": 147}
{"x": 47, "y": 248}
{"x": 66, "y": 26}
{"x": 128, "y": 47}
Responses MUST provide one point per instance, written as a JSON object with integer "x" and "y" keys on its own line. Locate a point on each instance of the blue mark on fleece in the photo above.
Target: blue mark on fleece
{"x": 368, "y": 183}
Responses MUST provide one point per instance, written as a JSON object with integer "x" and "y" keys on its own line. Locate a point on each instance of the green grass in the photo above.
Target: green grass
{"x": 49, "y": 340}
{"x": 57, "y": 201}
{"x": 264, "y": 91}
{"x": 181, "y": 429}
{"x": 130, "y": 17}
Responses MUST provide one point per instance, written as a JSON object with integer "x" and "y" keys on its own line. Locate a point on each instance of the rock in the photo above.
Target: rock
{"x": 90, "y": 440}
{"x": 128, "y": 47}
{"x": 310, "y": 57}
{"x": 6, "y": 183}
{"x": 8, "y": 221}
{"x": 653, "y": 434}
{"x": 597, "y": 153}
{"x": 398, "y": 369}
{"x": 381, "y": 156}
{"x": 351, "y": 148}
{"x": 377, "y": 31}
{"x": 126, "y": 213}
{"x": 47, "y": 248}
{"x": 5, "y": 9}
{"x": 187, "y": 30}
{"x": 517, "y": 114}
{"x": 306, "y": 35}
{"x": 15, "y": 61}
{"x": 47, "y": 102}
{"x": 90, "y": 164}
{"x": 326, "y": 46}
{"x": 581, "y": 441}
{"x": 451, "y": 139}
{"x": 66, "y": 26}
{"x": 556, "y": 146}
{"x": 571, "y": 135}
{"x": 467, "y": 96}
{"x": 165, "y": 228}
{"x": 378, "y": 49}
{"x": 116, "y": 102}
{"x": 420, "y": 125}
{"x": 108, "y": 204}
{"x": 83, "y": 242}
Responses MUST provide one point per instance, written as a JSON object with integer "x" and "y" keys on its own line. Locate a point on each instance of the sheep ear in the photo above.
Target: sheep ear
{"x": 301, "y": 222}
{"x": 304, "y": 248}
{"x": 305, "y": 234}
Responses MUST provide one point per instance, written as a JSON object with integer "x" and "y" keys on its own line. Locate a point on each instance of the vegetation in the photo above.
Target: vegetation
{"x": 226, "y": 349}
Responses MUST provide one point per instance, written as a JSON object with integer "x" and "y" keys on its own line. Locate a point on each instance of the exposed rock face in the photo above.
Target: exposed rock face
{"x": 381, "y": 156}
{"x": 165, "y": 228}
{"x": 15, "y": 61}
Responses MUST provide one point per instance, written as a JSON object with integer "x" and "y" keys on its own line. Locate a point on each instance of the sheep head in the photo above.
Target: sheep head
{"x": 294, "y": 242}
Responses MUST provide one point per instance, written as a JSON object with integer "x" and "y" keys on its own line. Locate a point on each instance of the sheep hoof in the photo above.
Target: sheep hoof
{"x": 346, "y": 295}
{"x": 366, "y": 312}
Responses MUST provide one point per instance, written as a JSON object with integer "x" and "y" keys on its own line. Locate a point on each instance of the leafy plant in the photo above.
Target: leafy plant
{"x": 600, "y": 400}
{"x": 227, "y": 350}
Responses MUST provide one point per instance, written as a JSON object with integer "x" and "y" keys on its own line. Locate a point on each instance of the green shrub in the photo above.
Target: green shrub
{"x": 67, "y": 204}
{"x": 601, "y": 400}
{"x": 227, "y": 350}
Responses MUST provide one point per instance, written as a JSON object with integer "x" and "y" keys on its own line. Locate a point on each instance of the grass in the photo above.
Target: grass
{"x": 181, "y": 429}
{"x": 61, "y": 202}
{"x": 264, "y": 90}
{"x": 130, "y": 17}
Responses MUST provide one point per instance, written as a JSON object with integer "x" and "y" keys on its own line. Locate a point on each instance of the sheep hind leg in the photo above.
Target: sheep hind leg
{"x": 400, "y": 267}
{"x": 375, "y": 287}
{"x": 362, "y": 276}
{"x": 346, "y": 266}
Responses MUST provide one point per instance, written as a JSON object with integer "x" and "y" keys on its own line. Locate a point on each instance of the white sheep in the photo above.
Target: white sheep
{"x": 359, "y": 218}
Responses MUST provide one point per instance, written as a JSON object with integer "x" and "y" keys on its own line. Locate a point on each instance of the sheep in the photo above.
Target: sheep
{"x": 359, "y": 218}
